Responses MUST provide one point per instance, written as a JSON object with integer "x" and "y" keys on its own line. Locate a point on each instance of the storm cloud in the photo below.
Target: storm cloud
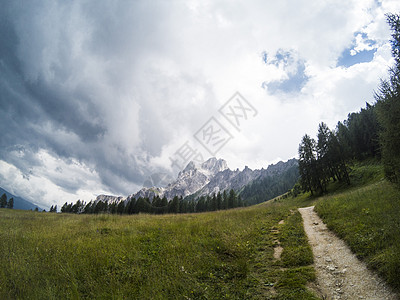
{"x": 96, "y": 96}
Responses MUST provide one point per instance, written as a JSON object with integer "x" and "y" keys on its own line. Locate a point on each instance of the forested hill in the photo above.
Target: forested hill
{"x": 374, "y": 132}
{"x": 266, "y": 188}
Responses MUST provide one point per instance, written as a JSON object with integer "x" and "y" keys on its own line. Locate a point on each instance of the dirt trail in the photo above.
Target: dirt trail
{"x": 340, "y": 275}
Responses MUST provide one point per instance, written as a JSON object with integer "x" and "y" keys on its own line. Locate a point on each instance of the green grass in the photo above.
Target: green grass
{"x": 367, "y": 217}
{"x": 285, "y": 278}
{"x": 218, "y": 255}
{"x": 215, "y": 255}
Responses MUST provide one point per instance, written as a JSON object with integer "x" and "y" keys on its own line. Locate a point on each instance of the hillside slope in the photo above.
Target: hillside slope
{"x": 19, "y": 203}
{"x": 367, "y": 219}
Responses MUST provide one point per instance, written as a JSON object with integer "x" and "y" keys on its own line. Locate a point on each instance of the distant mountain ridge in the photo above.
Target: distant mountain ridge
{"x": 207, "y": 178}
{"x": 19, "y": 203}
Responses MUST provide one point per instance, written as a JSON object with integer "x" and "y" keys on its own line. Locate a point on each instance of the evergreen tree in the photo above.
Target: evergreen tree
{"x": 99, "y": 207}
{"x": 64, "y": 207}
{"x": 174, "y": 206}
{"x": 10, "y": 203}
{"x": 240, "y": 201}
{"x": 232, "y": 200}
{"x": 183, "y": 206}
{"x": 214, "y": 205}
{"x": 338, "y": 159}
{"x": 53, "y": 209}
{"x": 3, "y": 201}
{"x": 76, "y": 207}
{"x": 141, "y": 205}
{"x": 331, "y": 160}
{"x": 112, "y": 208}
{"x": 323, "y": 154}
{"x": 201, "y": 204}
{"x": 343, "y": 137}
{"x": 88, "y": 208}
{"x": 308, "y": 168}
{"x": 388, "y": 108}
{"x": 225, "y": 203}
{"x": 219, "y": 201}
{"x": 164, "y": 205}
{"x": 121, "y": 207}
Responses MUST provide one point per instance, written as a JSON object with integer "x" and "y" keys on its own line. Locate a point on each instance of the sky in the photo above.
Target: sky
{"x": 95, "y": 96}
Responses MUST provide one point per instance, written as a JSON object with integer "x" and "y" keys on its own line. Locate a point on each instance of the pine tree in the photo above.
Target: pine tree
{"x": 214, "y": 205}
{"x": 121, "y": 207}
{"x": 324, "y": 163}
{"x": 183, "y": 206}
{"x": 310, "y": 178}
{"x": 64, "y": 208}
{"x": 219, "y": 201}
{"x": 88, "y": 208}
{"x": 3, "y": 201}
{"x": 10, "y": 203}
{"x": 174, "y": 207}
{"x": 233, "y": 199}
{"x": 388, "y": 108}
{"x": 164, "y": 205}
{"x": 331, "y": 160}
{"x": 225, "y": 203}
{"x": 141, "y": 205}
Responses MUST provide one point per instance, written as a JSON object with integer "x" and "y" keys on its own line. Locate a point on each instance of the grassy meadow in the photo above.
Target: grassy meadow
{"x": 367, "y": 217}
{"x": 218, "y": 255}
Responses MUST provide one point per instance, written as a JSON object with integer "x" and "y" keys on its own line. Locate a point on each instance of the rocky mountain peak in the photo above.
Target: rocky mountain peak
{"x": 190, "y": 167}
{"x": 214, "y": 165}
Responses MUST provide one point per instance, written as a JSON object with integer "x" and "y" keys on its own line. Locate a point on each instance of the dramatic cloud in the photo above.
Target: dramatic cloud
{"x": 96, "y": 96}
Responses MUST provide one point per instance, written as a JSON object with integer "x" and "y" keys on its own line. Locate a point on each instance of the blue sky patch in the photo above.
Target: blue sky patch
{"x": 362, "y": 50}
{"x": 293, "y": 84}
{"x": 294, "y": 68}
{"x": 347, "y": 60}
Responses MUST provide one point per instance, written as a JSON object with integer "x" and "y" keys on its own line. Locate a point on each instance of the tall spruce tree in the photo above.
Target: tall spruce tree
{"x": 10, "y": 203}
{"x": 388, "y": 108}
{"x": 3, "y": 201}
{"x": 308, "y": 168}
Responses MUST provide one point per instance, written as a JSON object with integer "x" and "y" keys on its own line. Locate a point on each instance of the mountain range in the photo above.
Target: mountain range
{"x": 213, "y": 176}
{"x": 19, "y": 203}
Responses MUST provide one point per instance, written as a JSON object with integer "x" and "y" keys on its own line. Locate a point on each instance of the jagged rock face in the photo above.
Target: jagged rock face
{"x": 236, "y": 180}
{"x": 214, "y": 165}
{"x": 204, "y": 179}
{"x": 227, "y": 180}
{"x": 190, "y": 180}
{"x": 110, "y": 199}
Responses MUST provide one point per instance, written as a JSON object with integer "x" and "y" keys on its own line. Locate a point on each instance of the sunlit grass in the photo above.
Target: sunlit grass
{"x": 191, "y": 256}
{"x": 367, "y": 218}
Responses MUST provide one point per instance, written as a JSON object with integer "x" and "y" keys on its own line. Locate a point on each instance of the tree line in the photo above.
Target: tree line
{"x": 388, "y": 108}
{"x": 157, "y": 205}
{"x": 6, "y": 204}
{"x": 269, "y": 187}
{"x": 321, "y": 160}
{"x": 372, "y": 132}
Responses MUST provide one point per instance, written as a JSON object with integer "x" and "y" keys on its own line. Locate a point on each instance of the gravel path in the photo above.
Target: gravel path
{"x": 340, "y": 275}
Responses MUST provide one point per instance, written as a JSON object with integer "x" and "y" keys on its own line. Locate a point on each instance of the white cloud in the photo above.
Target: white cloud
{"x": 55, "y": 181}
{"x": 118, "y": 87}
